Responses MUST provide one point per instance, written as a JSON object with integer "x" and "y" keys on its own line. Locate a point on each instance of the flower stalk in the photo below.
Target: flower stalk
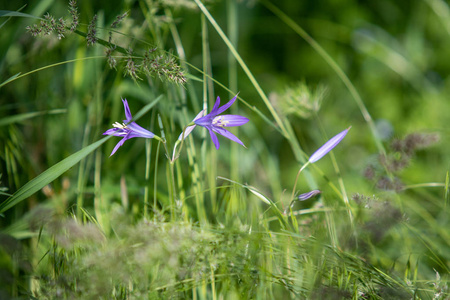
{"x": 318, "y": 154}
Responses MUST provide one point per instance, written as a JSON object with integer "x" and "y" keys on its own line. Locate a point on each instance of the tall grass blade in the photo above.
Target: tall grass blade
{"x": 9, "y": 13}
{"x": 17, "y": 76}
{"x": 10, "y": 78}
{"x": 26, "y": 116}
{"x": 48, "y": 176}
{"x": 244, "y": 67}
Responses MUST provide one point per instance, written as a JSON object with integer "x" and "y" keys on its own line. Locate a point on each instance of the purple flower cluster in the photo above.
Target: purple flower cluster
{"x": 212, "y": 121}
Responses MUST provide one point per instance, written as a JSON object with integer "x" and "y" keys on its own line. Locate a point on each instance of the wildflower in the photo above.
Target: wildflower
{"x": 215, "y": 124}
{"x": 189, "y": 128}
{"x": 321, "y": 152}
{"x": 128, "y": 129}
{"x": 308, "y": 195}
{"x": 328, "y": 146}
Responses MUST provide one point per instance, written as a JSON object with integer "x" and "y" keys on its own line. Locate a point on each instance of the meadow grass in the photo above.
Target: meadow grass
{"x": 364, "y": 217}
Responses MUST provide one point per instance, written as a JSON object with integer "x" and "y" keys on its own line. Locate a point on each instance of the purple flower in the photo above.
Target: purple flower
{"x": 308, "y": 195}
{"x": 189, "y": 128}
{"x": 328, "y": 146}
{"x": 127, "y": 129}
{"x": 215, "y": 124}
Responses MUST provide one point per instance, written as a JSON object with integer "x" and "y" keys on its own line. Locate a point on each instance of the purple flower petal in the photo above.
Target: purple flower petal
{"x": 127, "y": 131}
{"x": 215, "y": 123}
{"x": 214, "y": 138}
{"x": 328, "y": 146}
{"x": 120, "y": 143}
{"x": 230, "y": 120}
{"x": 228, "y": 135}
{"x": 138, "y": 131}
{"x": 204, "y": 121}
{"x": 226, "y": 106}
{"x": 115, "y": 132}
{"x": 308, "y": 195}
{"x": 215, "y": 107}
{"x": 127, "y": 111}
{"x": 189, "y": 129}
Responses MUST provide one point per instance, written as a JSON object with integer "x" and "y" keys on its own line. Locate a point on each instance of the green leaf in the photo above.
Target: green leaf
{"x": 193, "y": 77}
{"x": 26, "y": 116}
{"x": 49, "y": 175}
{"x": 57, "y": 170}
{"x": 9, "y": 13}
{"x": 9, "y": 79}
{"x": 146, "y": 108}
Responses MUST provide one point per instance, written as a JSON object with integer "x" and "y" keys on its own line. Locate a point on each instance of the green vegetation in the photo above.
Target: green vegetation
{"x": 166, "y": 217}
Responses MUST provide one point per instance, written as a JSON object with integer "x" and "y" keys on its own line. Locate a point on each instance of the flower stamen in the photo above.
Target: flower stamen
{"x": 220, "y": 121}
{"x": 120, "y": 126}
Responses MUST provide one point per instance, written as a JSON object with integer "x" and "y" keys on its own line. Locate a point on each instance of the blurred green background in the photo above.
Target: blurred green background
{"x": 395, "y": 54}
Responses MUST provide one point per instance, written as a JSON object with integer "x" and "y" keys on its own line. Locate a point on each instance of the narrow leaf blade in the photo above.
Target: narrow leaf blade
{"x": 10, "y": 13}
{"x": 22, "y": 117}
{"x": 9, "y": 79}
{"x": 49, "y": 175}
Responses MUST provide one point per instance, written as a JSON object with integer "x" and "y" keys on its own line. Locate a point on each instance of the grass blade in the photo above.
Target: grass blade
{"x": 17, "y": 76}
{"x": 26, "y": 116}
{"x": 49, "y": 175}
{"x": 10, "y": 13}
{"x": 244, "y": 67}
{"x": 9, "y": 79}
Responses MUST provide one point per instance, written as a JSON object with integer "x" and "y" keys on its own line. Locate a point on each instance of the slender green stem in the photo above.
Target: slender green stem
{"x": 172, "y": 191}
{"x": 295, "y": 182}
{"x": 171, "y": 177}
{"x": 50, "y": 66}
{"x": 207, "y": 87}
{"x": 155, "y": 181}
{"x": 190, "y": 149}
{"x": 148, "y": 152}
{"x": 233, "y": 33}
{"x": 243, "y": 66}
{"x": 81, "y": 173}
{"x": 175, "y": 153}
